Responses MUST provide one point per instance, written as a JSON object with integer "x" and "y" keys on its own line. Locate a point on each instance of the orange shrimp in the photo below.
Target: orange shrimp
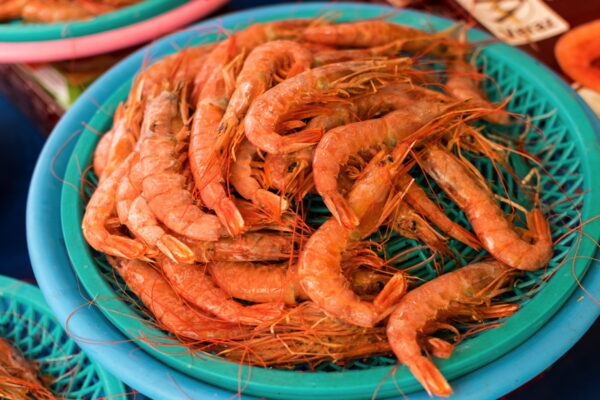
{"x": 263, "y": 65}
{"x": 420, "y": 201}
{"x": 54, "y": 11}
{"x": 99, "y": 209}
{"x": 101, "y": 152}
{"x": 577, "y": 52}
{"x": 266, "y": 283}
{"x": 242, "y": 43}
{"x": 11, "y": 9}
{"x": 124, "y": 138}
{"x": 415, "y": 107}
{"x": 193, "y": 284}
{"x": 409, "y": 224}
{"x": 251, "y": 246}
{"x": 164, "y": 185}
{"x": 248, "y": 186}
{"x": 422, "y": 311}
{"x": 319, "y": 265}
{"x": 19, "y": 377}
{"x": 170, "y": 311}
{"x": 462, "y": 85}
{"x": 380, "y": 33}
{"x": 496, "y": 232}
{"x": 312, "y": 86}
{"x": 206, "y": 163}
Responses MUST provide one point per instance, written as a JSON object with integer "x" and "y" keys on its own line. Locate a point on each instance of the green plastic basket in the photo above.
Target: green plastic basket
{"x": 18, "y": 31}
{"x": 26, "y": 321}
{"x": 566, "y": 146}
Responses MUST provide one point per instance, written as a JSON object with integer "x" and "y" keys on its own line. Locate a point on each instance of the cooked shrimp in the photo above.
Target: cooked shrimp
{"x": 206, "y": 162}
{"x": 243, "y": 42}
{"x": 466, "y": 291}
{"x": 311, "y": 86}
{"x": 463, "y": 85}
{"x": 20, "y": 378}
{"x": 252, "y": 246}
{"x": 409, "y": 224}
{"x": 101, "y": 153}
{"x": 420, "y": 201}
{"x": 264, "y": 64}
{"x": 496, "y": 232}
{"x": 193, "y": 284}
{"x": 54, "y": 11}
{"x": 170, "y": 311}
{"x": 247, "y": 185}
{"x": 265, "y": 283}
{"x": 99, "y": 209}
{"x": 379, "y": 33}
{"x": 11, "y": 9}
{"x": 319, "y": 266}
{"x": 415, "y": 107}
{"x": 164, "y": 185}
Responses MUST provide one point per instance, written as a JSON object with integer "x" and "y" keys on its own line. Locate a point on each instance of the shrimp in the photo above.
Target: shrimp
{"x": 380, "y": 33}
{"x": 409, "y": 224}
{"x": 266, "y": 283}
{"x": 170, "y": 311}
{"x": 163, "y": 182}
{"x": 248, "y": 186}
{"x": 497, "y": 234}
{"x": 11, "y": 9}
{"x": 312, "y": 86}
{"x": 262, "y": 66}
{"x": 415, "y": 107}
{"x": 206, "y": 164}
{"x": 197, "y": 287}
{"x": 319, "y": 265}
{"x": 577, "y": 52}
{"x": 418, "y": 199}
{"x": 252, "y": 246}
{"x": 421, "y": 312}
{"x": 101, "y": 152}
{"x": 20, "y": 378}
{"x": 99, "y": 209}
{"x": 242, "y": 43}
{"x": 54, "y": 11}
{"x": 462, "y": 85}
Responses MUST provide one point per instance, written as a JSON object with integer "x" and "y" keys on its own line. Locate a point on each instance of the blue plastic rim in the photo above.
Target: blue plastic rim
{"x": 45, "y": 243}
{"x": 26, "y": 321}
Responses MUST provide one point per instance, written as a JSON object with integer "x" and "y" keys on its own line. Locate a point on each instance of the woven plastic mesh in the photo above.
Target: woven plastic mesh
{"x": 43, "y": 340}
{"x": 558, "y": 180}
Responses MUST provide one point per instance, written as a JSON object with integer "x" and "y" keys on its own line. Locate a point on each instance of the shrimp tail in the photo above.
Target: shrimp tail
{"x": 390, "y": 295}
{"x": 175, "y": 249}
{"x": 439, "y": 347}
{"x": 430, "y": 377}
{"x": 121, "y": 246}
{"x": 272, "y": 203}
{"x": 230, "y": 216}
{"x": 341, "y": 210}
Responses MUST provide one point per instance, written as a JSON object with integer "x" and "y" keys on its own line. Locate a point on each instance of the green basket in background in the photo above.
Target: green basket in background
{"x": 27, "y": 323}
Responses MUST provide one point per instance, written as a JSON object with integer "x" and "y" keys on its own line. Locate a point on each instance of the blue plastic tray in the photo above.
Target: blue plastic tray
{"x": 59, "y": 284}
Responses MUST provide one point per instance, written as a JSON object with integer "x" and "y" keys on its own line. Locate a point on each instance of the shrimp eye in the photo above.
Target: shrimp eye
{"x": 292, "y": 166}
{"x": 469, "y": 139}
{"x": 413, "y": 226}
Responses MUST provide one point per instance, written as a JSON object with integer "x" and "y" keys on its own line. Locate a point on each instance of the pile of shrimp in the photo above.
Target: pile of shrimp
{"x": 20, "y": 379}
{"x": 211, "y": 163}
{"x": 48, "y": 11}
